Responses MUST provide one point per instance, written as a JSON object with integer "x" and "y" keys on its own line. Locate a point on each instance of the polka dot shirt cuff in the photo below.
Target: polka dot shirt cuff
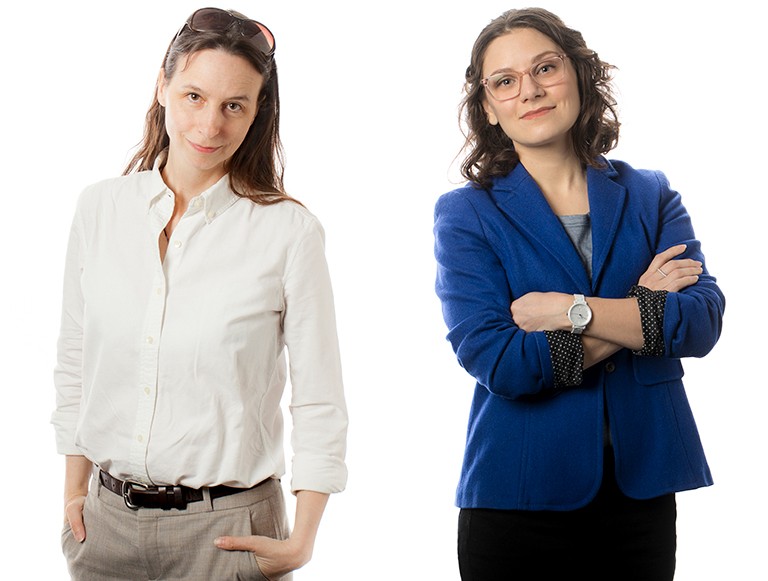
{"x": 651, "y": 305}
{"x": 567, "y": 354}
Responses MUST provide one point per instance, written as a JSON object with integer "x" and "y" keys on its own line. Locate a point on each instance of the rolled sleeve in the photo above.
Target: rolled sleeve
{"x": 651, "y": 305}
{"x": 567, "y": 353}
{"x": 693, "y": 316}
{"x": 67, "y": 374}
{"x": 317, "y": 404}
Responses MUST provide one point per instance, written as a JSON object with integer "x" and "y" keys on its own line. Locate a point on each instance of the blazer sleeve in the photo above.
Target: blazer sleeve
{"x": 693, "y": 317}
{"x": 472, "y": 286}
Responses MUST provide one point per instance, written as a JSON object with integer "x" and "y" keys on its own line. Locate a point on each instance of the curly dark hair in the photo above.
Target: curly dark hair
{"x": 596, "y": 131}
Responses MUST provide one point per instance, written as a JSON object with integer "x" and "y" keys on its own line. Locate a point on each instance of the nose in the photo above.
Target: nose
{"x": 210, "y": 123}
{"x": 529, "y": 89}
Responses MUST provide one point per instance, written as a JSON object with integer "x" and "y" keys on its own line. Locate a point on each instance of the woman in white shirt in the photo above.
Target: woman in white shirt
{"x": 185, "y": 280}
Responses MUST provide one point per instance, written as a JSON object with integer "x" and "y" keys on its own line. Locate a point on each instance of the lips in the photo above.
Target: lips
{"x": 202, "y": 148}
{"x": 537, "y": 112}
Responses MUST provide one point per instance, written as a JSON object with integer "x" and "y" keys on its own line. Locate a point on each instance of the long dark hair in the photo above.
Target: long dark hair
{"x": 256, "y": 168}
{"x": 596, "y": 131}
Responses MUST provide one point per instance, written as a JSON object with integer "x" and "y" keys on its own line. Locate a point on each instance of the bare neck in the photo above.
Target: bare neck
{"x": 562, "y": 180}
{"x": 185, "y": 185}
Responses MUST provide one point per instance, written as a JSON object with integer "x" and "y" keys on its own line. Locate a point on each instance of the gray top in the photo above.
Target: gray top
{"x": 579, "y": 230}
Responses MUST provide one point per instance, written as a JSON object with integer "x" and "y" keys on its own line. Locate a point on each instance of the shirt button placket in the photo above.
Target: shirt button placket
{"x": 147, "y": 384}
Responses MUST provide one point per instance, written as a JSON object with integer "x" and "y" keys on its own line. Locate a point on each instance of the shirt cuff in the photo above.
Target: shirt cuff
{"x": 567, "y": 353}
{"x": 651, "y": 304}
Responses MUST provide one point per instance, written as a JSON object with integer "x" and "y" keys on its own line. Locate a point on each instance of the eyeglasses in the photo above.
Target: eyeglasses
{"x": 218, "y": 20}
{"x": 507, "y": 85}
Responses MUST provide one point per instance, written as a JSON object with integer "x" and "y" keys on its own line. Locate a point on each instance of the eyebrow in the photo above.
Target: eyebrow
{"x": 195, "y": 89}
{"x": 534, "y": 60}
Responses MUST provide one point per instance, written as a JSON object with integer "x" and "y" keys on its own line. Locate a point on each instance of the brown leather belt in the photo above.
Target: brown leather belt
{"x": 138, "y": 496}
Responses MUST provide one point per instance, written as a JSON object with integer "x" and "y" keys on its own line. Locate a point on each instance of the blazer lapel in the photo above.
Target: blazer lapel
{"x": 606, "y": 204}
{"x": 519, "y": 197}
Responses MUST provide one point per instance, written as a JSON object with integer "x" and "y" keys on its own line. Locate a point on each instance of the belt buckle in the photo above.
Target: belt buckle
{"x": 127, "y": 487}
{"x": 155, "y": 497}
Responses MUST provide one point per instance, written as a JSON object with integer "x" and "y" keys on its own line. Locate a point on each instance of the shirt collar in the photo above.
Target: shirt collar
{"x": 156, "y": 187}
{"x": 213, "y": 202}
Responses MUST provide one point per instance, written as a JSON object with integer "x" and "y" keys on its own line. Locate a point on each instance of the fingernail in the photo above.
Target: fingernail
{"x": 79, "y": 537}
{"x": 217, "y": 542}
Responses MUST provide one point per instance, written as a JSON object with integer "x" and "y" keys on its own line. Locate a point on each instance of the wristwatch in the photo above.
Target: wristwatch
{"x": 579, "y": 314}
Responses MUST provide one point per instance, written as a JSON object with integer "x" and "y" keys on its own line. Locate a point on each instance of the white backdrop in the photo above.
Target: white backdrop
{"x": 369, "y": 97}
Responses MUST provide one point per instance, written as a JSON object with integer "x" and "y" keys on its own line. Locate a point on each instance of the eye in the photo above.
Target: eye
{"x": 234, "y": 107}
{"x": 194, "y": 97}
{"x": 546, "y": 68}
{"x": 503, "y": 81}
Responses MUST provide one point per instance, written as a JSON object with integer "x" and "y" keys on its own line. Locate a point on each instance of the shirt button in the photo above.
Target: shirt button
{"x": 147, "y": 390}
{"x": 150, "y": 340}
{"x": 140, "y": 438}
{"x": 159, "y": 290}
{"x": 210, "y": 215}
{"x": 610, "y": 367}
{"x": 196, "y": 203}
{"x": 177, "y": 244}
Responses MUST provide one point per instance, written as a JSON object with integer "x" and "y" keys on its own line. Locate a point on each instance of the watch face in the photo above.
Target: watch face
{"x": 580, "y": 314}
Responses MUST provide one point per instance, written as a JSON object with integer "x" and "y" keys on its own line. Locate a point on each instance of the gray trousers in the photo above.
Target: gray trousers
{"x": 154, "y": 544}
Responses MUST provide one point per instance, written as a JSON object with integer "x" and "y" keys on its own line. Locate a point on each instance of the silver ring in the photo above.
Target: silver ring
{"x": 662, "y": 273}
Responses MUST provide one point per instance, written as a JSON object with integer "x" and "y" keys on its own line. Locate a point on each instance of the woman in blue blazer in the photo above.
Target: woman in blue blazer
{"x": 571, "y": 286}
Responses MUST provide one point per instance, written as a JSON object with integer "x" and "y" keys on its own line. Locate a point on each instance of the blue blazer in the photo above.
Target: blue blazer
{"x": 530, "y": 446}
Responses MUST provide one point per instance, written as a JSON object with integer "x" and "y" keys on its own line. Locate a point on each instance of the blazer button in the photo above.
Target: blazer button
{"x": 610, "y": 367}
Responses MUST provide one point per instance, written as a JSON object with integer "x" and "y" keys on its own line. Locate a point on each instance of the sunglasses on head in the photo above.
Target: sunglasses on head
{"x": 218, "y": 20}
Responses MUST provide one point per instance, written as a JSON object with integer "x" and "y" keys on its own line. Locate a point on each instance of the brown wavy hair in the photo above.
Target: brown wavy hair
{"x": 256, "y": 168}
{"x": 596, "y": 131}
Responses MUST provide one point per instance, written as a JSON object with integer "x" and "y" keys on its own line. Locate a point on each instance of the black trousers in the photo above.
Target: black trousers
{"x": 613, "y": 538}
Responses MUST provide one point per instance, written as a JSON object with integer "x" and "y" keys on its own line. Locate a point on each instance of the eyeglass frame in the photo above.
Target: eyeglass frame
{"x": 235, "y": 19}
{"x": 484, "y": 82}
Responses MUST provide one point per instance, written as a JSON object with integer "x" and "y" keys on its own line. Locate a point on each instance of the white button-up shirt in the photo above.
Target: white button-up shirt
{"x": 172, "y": 372}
